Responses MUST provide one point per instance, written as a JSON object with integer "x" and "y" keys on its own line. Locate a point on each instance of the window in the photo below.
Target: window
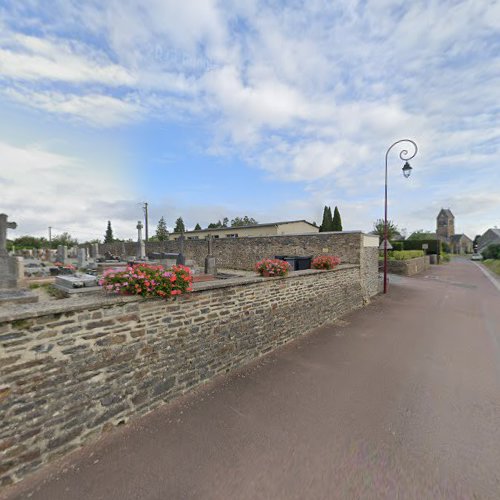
{"x": 234, "y": 235}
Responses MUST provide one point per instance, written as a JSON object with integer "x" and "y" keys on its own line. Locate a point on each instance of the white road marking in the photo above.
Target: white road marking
{"x": 487, "y": 272}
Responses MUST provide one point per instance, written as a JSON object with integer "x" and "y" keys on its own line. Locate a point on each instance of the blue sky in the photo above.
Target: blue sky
{"x": 272, "y": 109}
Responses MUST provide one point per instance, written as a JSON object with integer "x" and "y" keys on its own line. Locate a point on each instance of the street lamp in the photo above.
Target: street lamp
{"x": 405, "y": 156}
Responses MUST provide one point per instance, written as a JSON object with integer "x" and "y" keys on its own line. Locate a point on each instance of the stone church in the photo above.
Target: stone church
{"x": 445, "y": 231}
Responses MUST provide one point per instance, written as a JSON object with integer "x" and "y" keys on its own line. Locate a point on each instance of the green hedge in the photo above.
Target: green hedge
{"x": 492, "y": 251}
{"x": 433, "y": 246}
{"x": 405, "y": 254}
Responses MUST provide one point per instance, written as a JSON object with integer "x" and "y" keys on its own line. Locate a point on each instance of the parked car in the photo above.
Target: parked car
{"x": 476, "y": 256}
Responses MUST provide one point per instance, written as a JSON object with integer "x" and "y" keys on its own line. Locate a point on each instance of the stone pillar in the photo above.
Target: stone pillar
{"x": 124, "y": 252}
{"x": 141, "y": 247}
{"x": 181, "y": 260}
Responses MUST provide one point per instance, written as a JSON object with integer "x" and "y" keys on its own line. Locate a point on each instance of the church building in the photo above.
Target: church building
{"x": 445, "y": 230}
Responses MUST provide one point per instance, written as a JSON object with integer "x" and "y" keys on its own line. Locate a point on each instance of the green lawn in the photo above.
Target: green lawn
{"x": 493, "y": 265}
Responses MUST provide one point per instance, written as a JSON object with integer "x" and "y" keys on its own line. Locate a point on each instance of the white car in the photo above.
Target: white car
{"x": 476, "y": 256}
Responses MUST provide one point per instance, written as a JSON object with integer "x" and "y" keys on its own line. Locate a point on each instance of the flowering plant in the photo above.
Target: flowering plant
{"x": 272, "y": 267}
{"x": 148, "y": 281}
{"x": 60, "y": 265}
{"x": 325, "y": 262}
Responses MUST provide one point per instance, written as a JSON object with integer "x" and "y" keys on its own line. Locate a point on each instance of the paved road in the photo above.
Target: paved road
{"x": 401, "y": 400}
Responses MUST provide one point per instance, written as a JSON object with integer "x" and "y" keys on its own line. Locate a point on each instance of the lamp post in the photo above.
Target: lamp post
{"x": 405, "y": 156}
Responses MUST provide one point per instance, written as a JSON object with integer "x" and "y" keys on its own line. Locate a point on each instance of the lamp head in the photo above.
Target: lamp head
{"x": 407, "y": 170}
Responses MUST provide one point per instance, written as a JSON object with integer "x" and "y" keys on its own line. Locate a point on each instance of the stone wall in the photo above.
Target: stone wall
{"x": 70, "y": 370}
{"x": 243, "y": 253}
{"x": 409, "y": 267}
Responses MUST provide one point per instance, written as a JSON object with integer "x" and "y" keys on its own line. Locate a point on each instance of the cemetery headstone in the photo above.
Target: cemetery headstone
{"x": 181, "y": 260}
{"x": 82, "y": 258}
{"x": 11, "y": 270}
{"x": 62, "y": 254}
{"x": 210, "y": 262}
{"x": 94, "y": 250}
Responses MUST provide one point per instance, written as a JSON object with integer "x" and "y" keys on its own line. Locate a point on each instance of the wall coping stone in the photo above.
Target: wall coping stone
{"x": 74, "y": 304}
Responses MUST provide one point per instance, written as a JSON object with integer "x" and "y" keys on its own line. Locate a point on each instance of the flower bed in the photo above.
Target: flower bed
{"x": 148, "y": 281}
{"x": 325, "y": 262}
{"x": 272, "y": 267}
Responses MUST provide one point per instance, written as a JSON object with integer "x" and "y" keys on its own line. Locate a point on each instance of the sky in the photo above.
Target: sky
{"x": 271, "y": 109}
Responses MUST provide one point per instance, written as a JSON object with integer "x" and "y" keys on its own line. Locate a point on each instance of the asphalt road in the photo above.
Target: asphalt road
{"x": 399, "y": 400}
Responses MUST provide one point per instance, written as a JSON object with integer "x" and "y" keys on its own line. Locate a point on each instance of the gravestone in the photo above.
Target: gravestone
{"x": 123, "y": 252}
{"x": 82, "y": 258}
{"x": 62, "y": 254}
{"x": 94, "y": 250}
{"x": 11, "y": 270}
{"x": 141, "y": 247}
{"x": 210, "y": 262}
{"x": 181, "y": 260}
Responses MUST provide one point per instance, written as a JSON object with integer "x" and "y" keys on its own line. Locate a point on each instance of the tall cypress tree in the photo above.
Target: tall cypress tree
{"x": 330, "y": 220}
{"x": 108, "y": 237}
{"x": 324, "y": 222}
{"x": 179, "y": 226}
{"x": 337, "y": 221}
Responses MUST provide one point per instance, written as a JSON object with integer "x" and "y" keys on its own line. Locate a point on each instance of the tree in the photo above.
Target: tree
{"x": 475, "y": 243}
{"x": 108, "y": 237}
{"x": 63, "y": 239}
{"x": 225, "y": 222}
{"x": 420, "y": 234}
{"x": 378, "y": 228}
{"x": 327, "y": 222}
{"x": 179, "y": 226}
{"x": 197, "y": 227}
{"x": 161, "y": 230}
{"x": 337, "y": 221}
{"x": 243, "y": 221}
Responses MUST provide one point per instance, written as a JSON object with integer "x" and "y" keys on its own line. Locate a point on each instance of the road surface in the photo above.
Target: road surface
{"x": 399, "y": 400}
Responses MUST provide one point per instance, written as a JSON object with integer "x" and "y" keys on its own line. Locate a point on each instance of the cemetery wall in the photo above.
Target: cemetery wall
{"x": 71, "y": 370}
{"x": 244, "y": 252}
{"x": 409, "y": 267}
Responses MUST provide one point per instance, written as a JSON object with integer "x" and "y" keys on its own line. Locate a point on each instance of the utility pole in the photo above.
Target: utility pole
{"x": 145, "y": 207}
{"x": 50, "y": 234}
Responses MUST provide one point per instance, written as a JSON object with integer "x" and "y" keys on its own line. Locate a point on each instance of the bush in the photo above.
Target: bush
{"x": 397, "y": 245}
{"x": 492, "y": 251}
{"x": 433, "y": 246}
{"x": 325, "y": 262}
{"x": 445, "y": 257}
{"x": 272, "y": 267}
{"x": 405, "y": 254}
{"x": 148, "y": 281}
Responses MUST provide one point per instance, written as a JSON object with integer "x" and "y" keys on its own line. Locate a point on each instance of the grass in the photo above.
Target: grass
{"x": 493, "y": 265}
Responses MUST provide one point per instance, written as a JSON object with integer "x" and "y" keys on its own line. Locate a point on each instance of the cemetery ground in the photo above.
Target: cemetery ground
{"x": 400, "y": 399}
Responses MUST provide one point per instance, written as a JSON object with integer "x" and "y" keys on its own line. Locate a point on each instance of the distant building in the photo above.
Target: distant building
{"x": 269, "y": 229}
{"x": 460, "y": 243}
{"x": 490, "y": 237}
{"x": 445, "y": 225}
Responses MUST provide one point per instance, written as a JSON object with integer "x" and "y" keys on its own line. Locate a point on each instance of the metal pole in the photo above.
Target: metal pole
{"x": 405, "y": 157}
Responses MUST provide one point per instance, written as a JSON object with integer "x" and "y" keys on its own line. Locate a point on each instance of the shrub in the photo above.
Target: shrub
{"x": 405, "y": 254}
{"x": 148, "y": 281}
{"x": 492, "y": 251}
{"x": 445, "y": 257}
{"x": 272, "y": 267}
{"x": 325, "y": 262}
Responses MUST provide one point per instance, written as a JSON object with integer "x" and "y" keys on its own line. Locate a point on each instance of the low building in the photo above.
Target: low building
{"x": 268, "y": 229}
{"x": 460, "y": 244}
{"x": 490, "y": 237}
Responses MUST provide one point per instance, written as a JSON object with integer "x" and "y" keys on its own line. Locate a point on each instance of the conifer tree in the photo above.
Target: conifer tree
{"x": 197, "y": 227}
{"x": 108, "y": 237}
{"x": 324, "y": 222}
{"x": 179, "y": 226}
{"x": 161, "y": 230}
{"x": 337, "y": 221}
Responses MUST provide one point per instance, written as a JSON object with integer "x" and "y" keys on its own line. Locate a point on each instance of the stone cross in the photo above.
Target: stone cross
{"x": 141, "y": 247}
{"x": 4, "y": 225}
{"x": 210, "y": 245}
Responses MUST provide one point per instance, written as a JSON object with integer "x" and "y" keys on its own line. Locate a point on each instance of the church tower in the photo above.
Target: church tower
{"x": 445, "y": 227}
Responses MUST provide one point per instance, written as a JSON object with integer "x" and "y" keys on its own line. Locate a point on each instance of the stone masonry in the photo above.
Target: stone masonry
{"x": 243, "y": 253}
{"x": 72, "y": 370}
